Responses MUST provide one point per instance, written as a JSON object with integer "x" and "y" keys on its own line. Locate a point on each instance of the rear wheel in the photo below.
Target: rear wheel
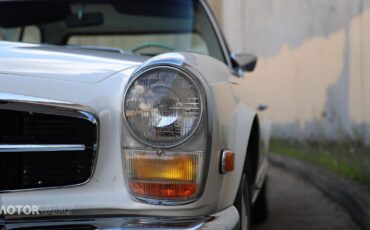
{"x": 243, "y": 204}
{"x": 259, "y": 209}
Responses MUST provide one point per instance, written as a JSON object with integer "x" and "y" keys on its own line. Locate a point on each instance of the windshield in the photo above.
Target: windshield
{"x": 144, "y": 27}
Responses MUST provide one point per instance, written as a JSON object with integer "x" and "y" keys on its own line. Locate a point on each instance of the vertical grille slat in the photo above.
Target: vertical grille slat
{"x": 33, "y": 167}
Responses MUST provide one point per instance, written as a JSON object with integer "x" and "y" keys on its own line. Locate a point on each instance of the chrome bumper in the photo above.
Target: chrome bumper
{"x": 224, "y": 220}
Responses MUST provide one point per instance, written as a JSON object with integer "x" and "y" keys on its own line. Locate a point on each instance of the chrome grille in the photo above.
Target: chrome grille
{"x": 45, "y": 146}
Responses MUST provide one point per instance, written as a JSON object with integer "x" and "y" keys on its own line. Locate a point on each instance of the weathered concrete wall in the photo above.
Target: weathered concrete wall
{"x": 314, "y": 63}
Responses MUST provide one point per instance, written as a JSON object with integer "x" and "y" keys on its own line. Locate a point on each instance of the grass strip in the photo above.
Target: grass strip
{"x": 321, "y": 157}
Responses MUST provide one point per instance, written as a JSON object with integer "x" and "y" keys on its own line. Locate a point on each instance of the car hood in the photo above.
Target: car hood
{"x": 63, "y": 63}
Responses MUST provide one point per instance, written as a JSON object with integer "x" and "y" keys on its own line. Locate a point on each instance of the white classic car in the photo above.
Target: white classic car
{"x": 124, "y": 115}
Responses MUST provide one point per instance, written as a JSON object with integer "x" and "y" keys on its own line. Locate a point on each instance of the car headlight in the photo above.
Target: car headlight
{"x": 165, "y": 151}
{"x": 163, "y": 107}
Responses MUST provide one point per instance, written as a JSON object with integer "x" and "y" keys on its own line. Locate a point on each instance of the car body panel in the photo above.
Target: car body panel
{"x": 230, "y": 118}
{"x": 67, "y": 64}
{"x": 96, "y": 81}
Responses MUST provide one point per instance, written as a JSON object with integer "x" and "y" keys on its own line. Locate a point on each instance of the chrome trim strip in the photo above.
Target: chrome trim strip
{"x": 17, "y": 102}
{"x": 23, "y": 98}
{"x": 40, "y": 148}
{"x": 26, "y": 103}
{"x": 222, "y": 220}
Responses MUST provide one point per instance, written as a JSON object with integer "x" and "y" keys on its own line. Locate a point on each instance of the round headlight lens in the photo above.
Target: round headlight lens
{"x": 163, "y": 106}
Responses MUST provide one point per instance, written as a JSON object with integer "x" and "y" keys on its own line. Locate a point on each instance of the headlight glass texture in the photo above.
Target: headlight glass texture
{"x": 163, "y": 107}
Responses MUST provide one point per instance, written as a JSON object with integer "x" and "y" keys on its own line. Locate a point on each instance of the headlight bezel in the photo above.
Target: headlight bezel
{"x": 193, "y": 80}
{"x": 201, "y": 140}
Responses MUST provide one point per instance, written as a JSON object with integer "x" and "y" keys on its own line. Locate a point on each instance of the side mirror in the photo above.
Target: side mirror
{"x": 262, "y": 107}
{"x": 244, "y": 62}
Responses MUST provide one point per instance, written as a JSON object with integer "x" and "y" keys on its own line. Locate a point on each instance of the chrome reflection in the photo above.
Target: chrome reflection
{"x": 31, "y": 104}
{"x": 40, "y": 148}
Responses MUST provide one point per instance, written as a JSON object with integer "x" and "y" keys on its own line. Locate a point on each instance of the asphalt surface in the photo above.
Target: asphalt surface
{"x": 296, "y": 204}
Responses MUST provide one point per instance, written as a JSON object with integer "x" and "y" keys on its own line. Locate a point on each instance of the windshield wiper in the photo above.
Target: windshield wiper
{"x": 97, "y": 48}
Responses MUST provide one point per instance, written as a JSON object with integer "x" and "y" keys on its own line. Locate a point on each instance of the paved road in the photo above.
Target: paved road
{"x": 296, "y": 204}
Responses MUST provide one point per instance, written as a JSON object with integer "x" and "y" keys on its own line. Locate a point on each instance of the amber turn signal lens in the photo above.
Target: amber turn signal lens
{"x": 164, "y": 168}
{"x": 165, "y": 175}
{"x": 227, "y": 161}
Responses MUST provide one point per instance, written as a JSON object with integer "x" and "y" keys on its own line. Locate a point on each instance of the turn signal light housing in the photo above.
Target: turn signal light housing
{"x": 227, "y": 161}
{"x": 163, "y": 175}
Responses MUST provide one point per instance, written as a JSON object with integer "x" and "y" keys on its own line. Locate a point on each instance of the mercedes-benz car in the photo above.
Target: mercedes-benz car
{"x": 125, "y": 115}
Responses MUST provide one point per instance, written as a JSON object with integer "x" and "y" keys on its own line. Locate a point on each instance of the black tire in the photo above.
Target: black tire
{"x": 260, "y": 208}
{"x": 243, "y": 196}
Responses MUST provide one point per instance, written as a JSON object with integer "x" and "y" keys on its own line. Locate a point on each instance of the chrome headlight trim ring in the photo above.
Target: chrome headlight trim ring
{"x": 193, "y": 80}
